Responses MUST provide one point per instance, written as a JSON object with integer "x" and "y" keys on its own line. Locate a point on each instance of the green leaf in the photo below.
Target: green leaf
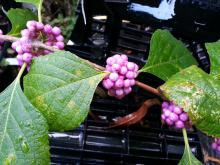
{"x": 214, "y": 55}
{"x": 18, "y": 19}
{"x": 188, "y": 158}
{"x": 23, "y": 130}
{"x": 61, "y": 86}
{"x": 197, "y": 93}
{"x": 36, "y": 3}
{"x": 167, "y": 56}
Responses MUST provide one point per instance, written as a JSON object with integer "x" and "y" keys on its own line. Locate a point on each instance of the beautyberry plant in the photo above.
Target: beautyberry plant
{"x": 59, "y": 87}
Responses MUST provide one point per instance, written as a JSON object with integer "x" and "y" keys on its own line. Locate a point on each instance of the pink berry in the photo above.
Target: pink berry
{"x": 218, "y": 148}
{"x": 14, "y": 45}
{"x": 113, "y": 76}
{"x": 136, "y": 68}
{"x": 47, "y": 29}
{"x": 120, "y": 61}
{"x": 119, "y": 92}
{"x": 27, "y": 57}
{"x": 119, "y": 83}
{"x": 25, "y": 32}
{"x": 173, "y": 117}
{"x": 60, "y": 38}
{"x": 132, "y": 82}
{"x": 19, "y": 49}
{"x": 165, "y": 104}
{"x": 123, "y": 70}
{"x": 179, "y": 124}
{"x": 108, "y": 68}
{"x": 214, "y": 146}
{"x": 169, "y": 122}
{"x": 163, "y": 117}
{"x": 130, "y": 66}
{"x": 110, "y": 61}
{"x": 31, "y": 23}
{"x": 124, "y": 57}
{"x": 1, "y": 32}
{"x": 116, "y": 56}
{"x": 177, "y": 110}
{"x": 39, "y": 26}
{"x": 107, "y": 83}
{"x": 56, "y": 31}
{"x": 167, "y": 113}
{"x": 183, "y": 117}
{"x": 116, "y": 67}
{"x": 127, "y": 90}
{"x": 60, "y": 45}
{"x": 127, "y": 83}
{"x": 130, "y": 75}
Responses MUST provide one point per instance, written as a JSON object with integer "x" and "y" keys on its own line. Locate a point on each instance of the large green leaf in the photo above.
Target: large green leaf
{"x": 18, "y": 19}
{"x": 214, "y": 55}
{"x": 37, "y": 3}
{"x": 23, "y": 130}
{"x": 188, "y": 158}
{"x": 61, "y": 86}
{"x": 197, "y": 93}
{"x": 167, "y": 56}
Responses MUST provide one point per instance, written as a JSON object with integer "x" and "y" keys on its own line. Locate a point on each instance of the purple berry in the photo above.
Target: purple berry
{"x": 119, "y": 92}
{"x": 110, "y": 61}
{"x": 165, "y": 104}
{"x": 47, "y": 29}
{"x": 183, "y": 117}
{"x": 123, "y": 70}
{"x": 132, "y": 82}
{"x": 60, "y": 38}
{"x": 214, "y": 146}
{"x": 116, "y": 67}
{"x": 179, "y": 124}
{"x": 127, "y": 83}
{"x": 169, "y": 122}
{"x": 56, "y": 31}
{"x": 127, "y": 90}
{"x": 174, "y": 117}
{"x": 27, "y": 57}
{"x": 124, "y": 57}
{"x": 119, "y": 83}
{"x": 167, "y": 113}
{"x": 130, "y": 75}
{"x": 113, "y": 76}
{"x": 130, "y": 66}
{"x": 177, "y": 110}
{"x": 60, "y": 45}
{"x": 39, "y": 26}
{"x": 107, "y": 83}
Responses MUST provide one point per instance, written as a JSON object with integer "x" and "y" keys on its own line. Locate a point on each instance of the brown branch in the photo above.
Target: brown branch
{"x": 137, "y": 116}
{"x": 148, "y": 88}
{"x": 212, "y": 159}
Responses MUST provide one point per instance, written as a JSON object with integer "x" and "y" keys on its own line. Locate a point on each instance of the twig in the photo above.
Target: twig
{"x": 212, "y": 159}
{"x": 136, "y": 116}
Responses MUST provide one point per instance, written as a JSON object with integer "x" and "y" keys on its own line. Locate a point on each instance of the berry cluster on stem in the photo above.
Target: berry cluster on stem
{"x": 37, "y": 31}
{"x": 122, "y": 75}
{"x": 174, "y": 115}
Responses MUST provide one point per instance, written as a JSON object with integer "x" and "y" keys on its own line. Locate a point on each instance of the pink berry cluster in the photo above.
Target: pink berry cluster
{"x": 1, "y": 42}
{"x": 37, "y": 31}
{"x": 122, "y": 75}
{"x": 173, "y": 115}
{"x": 216, "y": 145}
